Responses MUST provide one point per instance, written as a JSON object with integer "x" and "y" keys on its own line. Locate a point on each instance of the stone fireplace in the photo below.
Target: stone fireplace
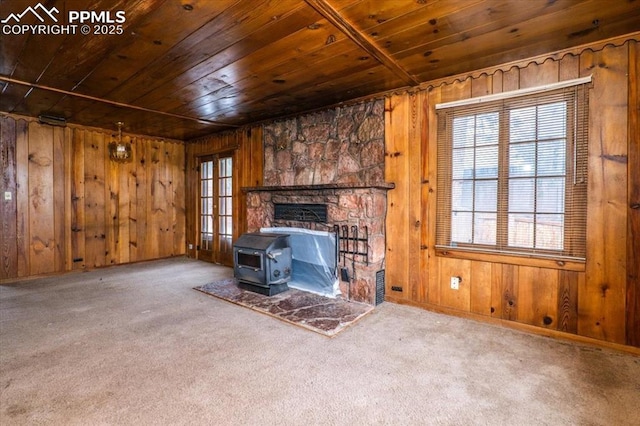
{"x": 333, "y": 158}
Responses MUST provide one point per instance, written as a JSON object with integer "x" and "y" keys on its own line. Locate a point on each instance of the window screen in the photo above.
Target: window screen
{"x": 512, "y": 174}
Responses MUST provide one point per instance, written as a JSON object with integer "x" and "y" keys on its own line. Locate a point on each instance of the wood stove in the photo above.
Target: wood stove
{"x": 262, "y": 262}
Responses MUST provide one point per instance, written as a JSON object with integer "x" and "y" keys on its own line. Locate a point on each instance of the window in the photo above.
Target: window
{"x": 512, "y": 174}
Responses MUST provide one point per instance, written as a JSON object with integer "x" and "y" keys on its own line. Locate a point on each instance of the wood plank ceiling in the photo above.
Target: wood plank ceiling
{"x": 184, "y": 69}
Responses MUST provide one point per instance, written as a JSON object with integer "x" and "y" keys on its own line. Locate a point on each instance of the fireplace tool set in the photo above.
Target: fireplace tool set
{"x": 351, "y": 245}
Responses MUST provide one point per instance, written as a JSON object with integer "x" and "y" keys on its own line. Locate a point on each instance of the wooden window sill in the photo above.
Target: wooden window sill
{"x": 514, "y": 259}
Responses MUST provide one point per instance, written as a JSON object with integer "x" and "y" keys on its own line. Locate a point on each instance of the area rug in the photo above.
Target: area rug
{"x": 317, "y": 313}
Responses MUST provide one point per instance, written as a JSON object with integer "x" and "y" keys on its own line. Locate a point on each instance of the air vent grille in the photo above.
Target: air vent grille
{"x": 379, "y": 286}
{"x": 301, "y": 212}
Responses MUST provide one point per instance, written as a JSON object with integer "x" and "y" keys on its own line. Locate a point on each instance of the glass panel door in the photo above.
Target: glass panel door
{"x": 207, "y": 214}
{"x": 225, "y": 210}
{"x": 216, "y": 209}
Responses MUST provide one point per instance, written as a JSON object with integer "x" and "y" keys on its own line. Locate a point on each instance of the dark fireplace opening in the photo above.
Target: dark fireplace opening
{"x": 245, "y": 260}
{"x": 300, "y": 212}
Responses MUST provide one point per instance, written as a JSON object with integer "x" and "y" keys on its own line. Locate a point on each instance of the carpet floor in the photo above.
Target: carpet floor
{"x": 316, "y": 313}
{"x": 136, "y": 345}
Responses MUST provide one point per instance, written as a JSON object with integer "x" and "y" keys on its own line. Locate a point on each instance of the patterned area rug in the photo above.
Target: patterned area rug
{"x": 317, "y": 313}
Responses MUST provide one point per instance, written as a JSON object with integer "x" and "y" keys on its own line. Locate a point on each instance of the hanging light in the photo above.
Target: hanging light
{"x": 119, "y": 151}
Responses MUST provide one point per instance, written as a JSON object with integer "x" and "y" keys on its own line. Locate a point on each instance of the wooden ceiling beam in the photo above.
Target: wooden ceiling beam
{"x": 333, "y": 16}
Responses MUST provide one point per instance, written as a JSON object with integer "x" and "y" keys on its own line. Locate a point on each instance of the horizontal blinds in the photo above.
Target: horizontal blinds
{"x": 512, "y": 173}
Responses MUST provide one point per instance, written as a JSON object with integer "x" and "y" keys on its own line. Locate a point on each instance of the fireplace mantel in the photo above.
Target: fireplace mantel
{"x": 322, "y": 187}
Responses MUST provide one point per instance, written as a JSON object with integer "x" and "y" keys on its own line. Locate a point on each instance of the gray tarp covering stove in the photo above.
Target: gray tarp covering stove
{"x": 314, "y": 260}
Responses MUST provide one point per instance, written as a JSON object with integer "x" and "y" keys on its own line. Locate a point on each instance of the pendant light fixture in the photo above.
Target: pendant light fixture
{"x": 120, "y": 151}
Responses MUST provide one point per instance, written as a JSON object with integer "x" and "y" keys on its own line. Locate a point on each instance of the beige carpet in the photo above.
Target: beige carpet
{"x": 136, "y": 345}
{"x": 320, "y": 314}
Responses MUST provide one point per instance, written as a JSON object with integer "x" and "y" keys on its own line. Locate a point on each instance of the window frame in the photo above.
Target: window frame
{"x": 503, "y": 104}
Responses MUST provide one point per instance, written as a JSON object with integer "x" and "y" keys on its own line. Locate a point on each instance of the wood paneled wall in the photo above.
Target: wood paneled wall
{"x": 247, "y": 150}
{"x": 70, "y": 207}
{"x": 600, "y": 299}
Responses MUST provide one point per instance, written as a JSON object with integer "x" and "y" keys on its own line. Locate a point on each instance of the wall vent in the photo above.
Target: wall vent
{"x": 379, "y": 286}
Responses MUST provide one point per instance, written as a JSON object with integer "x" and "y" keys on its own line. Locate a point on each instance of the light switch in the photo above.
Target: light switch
{"x": 7, "y": 196}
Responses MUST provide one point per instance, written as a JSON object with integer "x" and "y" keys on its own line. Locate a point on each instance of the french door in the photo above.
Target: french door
{"x": 216, "y": 209}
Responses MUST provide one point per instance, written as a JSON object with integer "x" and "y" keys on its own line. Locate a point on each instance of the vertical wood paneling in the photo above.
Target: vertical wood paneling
{"x": 430, "y": 161}
{"x": 74, "y": 208}
{"x": 166, "y": 216}
{"x": 78, "y": 225}
{"x": 248, "y": 171}
{"x": 496, "y": 82}
{"x": 142, "y": 152}
{"x": 166, "y": 198}
{"x": 245, "y": 160}
{"x": 414, "y": 196}
{"x": 509, "y": 283}
{"x": 569, "y": 68}
{"x": 111, "y": 206}
{"x": 94, "y": 184}
{"x": 456, "y": 90}
{"x": 162, "y": 200}
{"x": 397, "y": 114}
{"x": 41, "y": 203}
{"x": 59, "y": 199}
{"x": 429, "y": 123}
{"x": 191, "y": 201}
{"x": 538, "y": 74}
{"x": 633, "y": 219}
{"x": 242, "y": 162}
{"x": 602, "y": 298}
{"x": 482, "y": 85}
{"x": 133, "y": 179}
{"x": 568, "y": 300}
{"x": 497, "y": 296}
{"x": 511, "y": 79}
{"x": 154, "y": 194}
{"x": 68, "y": 197}
{"x": 8, "y": 203}
{"x": 257, "y": 157}
{"x": 480, "y": 287}
{"x": 194, "y": 150}
{"x": 123, "y": 179}
{"x": 22, "y": 198}
{"x": 179, "y": 211}
{"x": 537, "y": 296}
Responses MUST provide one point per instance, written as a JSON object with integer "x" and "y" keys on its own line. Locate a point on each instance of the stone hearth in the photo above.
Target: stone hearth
{"x": 320, "y": 314}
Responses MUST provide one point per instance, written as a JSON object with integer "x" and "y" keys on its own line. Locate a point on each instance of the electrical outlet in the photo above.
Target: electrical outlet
{"x": 455, "y": 283}
{"x": 190, "y": 246}
{"x": 7, "y": 196}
